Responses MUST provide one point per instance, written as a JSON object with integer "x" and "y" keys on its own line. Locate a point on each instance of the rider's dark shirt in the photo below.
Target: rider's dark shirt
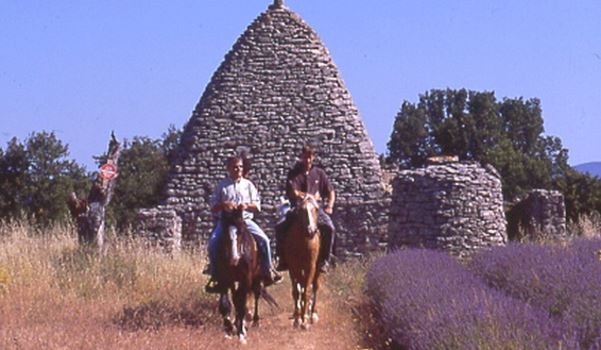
{"x": 314, "y": 182}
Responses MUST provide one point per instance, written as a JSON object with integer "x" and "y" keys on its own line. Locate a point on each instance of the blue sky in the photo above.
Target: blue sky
{"x": 82, "y": 68}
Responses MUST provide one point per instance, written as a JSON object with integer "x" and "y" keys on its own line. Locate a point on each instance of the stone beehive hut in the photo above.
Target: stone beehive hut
{"x": 540, "y": 212}
{"x": 457, "y": 207}
{"x": 275, "y": 90}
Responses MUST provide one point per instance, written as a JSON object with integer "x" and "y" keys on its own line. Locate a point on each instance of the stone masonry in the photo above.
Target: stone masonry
{"x": 162, "y": 228}
{"x": 540, "y": 212}
{"x": 278, "y": 88}
{"x": 457, "y": 207}
{"x": 275, "y": 90}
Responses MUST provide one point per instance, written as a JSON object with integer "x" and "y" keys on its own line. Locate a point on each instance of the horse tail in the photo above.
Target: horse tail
{"x": 268, "y": 298}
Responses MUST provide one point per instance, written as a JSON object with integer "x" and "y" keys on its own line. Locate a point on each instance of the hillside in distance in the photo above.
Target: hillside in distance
{"x": 592, "y": 168}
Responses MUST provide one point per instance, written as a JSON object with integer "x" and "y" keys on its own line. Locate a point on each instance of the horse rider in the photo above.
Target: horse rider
{"x": 306, "y": 178}
{"x": 237, "y": 192}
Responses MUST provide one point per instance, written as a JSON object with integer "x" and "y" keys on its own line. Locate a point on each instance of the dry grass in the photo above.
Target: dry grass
{"x": 588, "y": 226}
{"x": 54, "y": 295}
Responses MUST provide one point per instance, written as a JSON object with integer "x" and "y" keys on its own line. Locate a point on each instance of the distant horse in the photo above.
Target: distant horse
{"x": 239, "y": 275}
{"x": 301, "y": 252}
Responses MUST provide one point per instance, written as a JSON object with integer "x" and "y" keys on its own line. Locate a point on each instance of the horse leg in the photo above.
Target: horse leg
{"x": 314, "y": 317}
{"x": 240, "y": 297}
{"x": 306, "y": 299}
{"x": 225, "y": 307}
{"x": 296, "y": 292}
{"x": 257, "y": 295}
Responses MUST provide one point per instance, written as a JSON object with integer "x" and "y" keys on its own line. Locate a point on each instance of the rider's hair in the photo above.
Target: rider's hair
{"x": 308, "y": 149}
{"x": 234, "y": 159}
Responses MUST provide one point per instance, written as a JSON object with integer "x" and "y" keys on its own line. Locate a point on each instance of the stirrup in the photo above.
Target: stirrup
{"x": 324, "y": 267}
{"x": 213, "y": 287}
{"x": 272, "y": 278}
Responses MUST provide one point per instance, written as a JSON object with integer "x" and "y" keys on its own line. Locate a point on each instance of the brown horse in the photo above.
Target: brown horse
{"x": 239, "y": 275}
{"x": 301, "y": 251}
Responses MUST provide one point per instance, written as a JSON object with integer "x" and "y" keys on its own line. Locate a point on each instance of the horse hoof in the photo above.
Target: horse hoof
{"x": 296, "y": 323}
{"x": 314, "y": 318}
{"x": 305, "y": 326}
{"x": 242, "y": 340}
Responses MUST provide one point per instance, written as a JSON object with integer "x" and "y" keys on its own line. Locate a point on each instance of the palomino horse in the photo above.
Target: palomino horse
{"x": 239, "y": 275}
{"x": 301, "y": 251}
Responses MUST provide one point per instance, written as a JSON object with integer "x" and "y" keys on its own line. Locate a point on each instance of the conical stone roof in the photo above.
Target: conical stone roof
{"x": 276, "y": 89}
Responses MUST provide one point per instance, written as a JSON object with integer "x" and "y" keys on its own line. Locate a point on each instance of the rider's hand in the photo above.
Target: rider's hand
{"x": 229, "y": 206}
{"x": 328, "y": 210}
{"x": 243, "y": 206}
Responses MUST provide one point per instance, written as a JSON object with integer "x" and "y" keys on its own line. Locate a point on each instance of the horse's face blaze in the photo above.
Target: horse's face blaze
{"x": 309, "y": 216}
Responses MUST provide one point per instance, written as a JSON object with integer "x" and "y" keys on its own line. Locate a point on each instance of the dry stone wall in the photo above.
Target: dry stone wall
{"x": 278, "y": 88}
{"x": 275, "y": 90}
{"x": 457, "y": 207}
{"x": 540, "y": 212}
{"x": 162, "y": 227}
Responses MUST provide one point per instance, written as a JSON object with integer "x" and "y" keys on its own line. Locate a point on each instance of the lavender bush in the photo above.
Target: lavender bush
{"x": 563, "y": 280}
{"x": 427, "y": 300}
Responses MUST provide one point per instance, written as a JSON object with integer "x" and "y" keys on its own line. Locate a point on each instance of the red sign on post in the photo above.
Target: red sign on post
{"x": 108, "y": 171}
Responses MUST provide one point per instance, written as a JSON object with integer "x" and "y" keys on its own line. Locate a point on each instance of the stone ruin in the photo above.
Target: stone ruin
{"x": 540, "y": 212}
{"x": 275, "y": 90}
{"x": 162, "y": 227}
{"x": 453, "y": 206}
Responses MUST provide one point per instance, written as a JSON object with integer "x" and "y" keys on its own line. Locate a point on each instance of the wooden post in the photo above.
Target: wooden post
{"x": 90, "y": 214}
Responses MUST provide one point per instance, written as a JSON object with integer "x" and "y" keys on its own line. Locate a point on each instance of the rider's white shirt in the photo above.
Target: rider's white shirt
{"x": 242, "y": 191}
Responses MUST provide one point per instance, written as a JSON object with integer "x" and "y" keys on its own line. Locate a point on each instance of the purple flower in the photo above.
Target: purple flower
{"x": 563, "y": 280}
{"x": 427, "y": 300}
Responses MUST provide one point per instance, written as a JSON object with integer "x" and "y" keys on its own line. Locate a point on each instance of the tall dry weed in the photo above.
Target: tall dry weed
{"x": 56, "y": 295}
{"x": 588, "y": 226}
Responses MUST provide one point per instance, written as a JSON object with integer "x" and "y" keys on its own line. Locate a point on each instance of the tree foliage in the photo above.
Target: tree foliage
{"x": 36, "y": 176}
{"x": 476, "y": 126}
{"x": 582, "y": 194}
{"x": 143, "y": 168}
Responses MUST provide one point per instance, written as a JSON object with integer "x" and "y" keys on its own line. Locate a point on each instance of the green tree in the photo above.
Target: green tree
{"x": 13, "y": 179}
{"x": 582, "y": 193}
{"x": 475, "y": 126}
{"x": 142, "y": 173}
{"x": 36, "y": 177}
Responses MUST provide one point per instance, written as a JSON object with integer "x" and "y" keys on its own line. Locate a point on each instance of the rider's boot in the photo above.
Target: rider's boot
{"x": 213, "y": 286}
{"x": 324, "y": 266}
{"x": 272, "y": 277}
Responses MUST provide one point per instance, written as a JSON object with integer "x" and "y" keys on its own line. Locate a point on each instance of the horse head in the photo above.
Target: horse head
{"x": 308, "y": 213}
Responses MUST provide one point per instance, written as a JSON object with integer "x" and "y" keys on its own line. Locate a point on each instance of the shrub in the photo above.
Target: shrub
{"x": 563, "y": 280}
{"x": 427, "y": 300}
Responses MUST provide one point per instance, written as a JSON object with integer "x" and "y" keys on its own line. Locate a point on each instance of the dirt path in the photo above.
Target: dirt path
{"x": 70, "y": 322}
{"x": 340, "y": 326}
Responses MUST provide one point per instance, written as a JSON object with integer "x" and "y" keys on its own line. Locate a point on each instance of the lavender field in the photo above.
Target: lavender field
{"x": 523, "y": 296}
